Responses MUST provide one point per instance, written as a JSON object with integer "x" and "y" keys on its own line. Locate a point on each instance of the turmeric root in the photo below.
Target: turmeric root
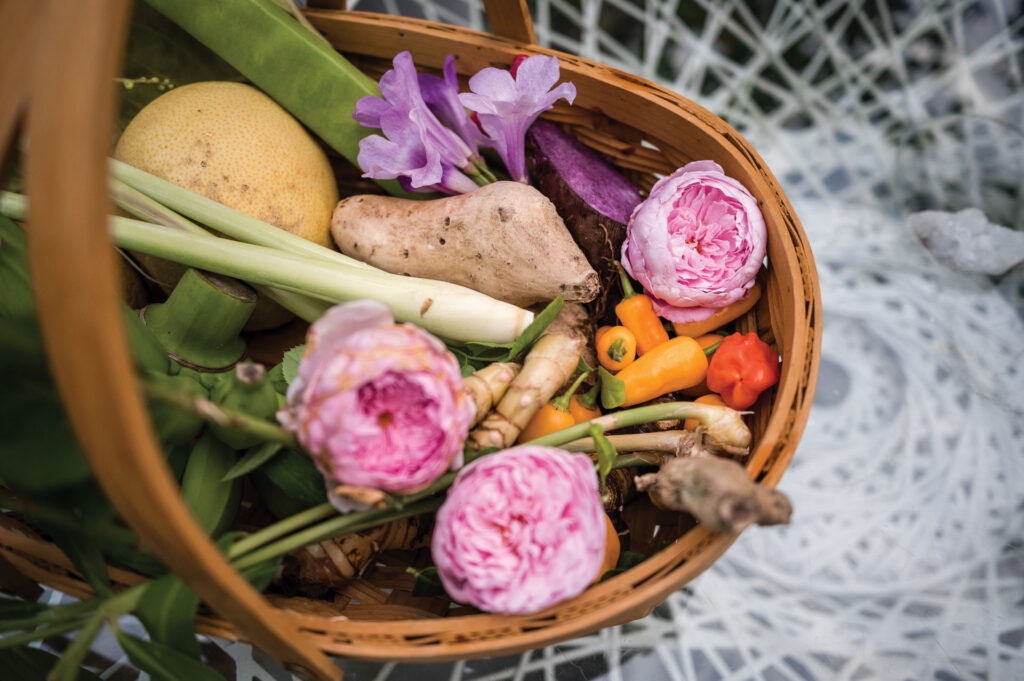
{"x": 718, "y": 492}
{"x": 546, "y": 368}
{"x": 487, "y": 386}
{"x": 319, "y": 568}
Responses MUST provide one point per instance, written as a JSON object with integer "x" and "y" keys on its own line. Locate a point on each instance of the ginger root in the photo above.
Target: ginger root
{"x": 488, "y": 385}
{"x": 549, "y": 364}
{"x": 718, "y": 492}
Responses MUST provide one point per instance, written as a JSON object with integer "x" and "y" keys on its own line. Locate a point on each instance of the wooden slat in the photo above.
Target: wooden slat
{"x": 511, "y": 19}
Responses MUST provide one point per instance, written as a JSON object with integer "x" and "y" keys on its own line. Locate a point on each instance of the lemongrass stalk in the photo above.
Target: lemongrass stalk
{"x": 224, "y": 219}
{"x": 450, "y": 311}
{"x": 677, "y": 442}
{"x": 143, "y": 207}
{"x": 722, "y": 424}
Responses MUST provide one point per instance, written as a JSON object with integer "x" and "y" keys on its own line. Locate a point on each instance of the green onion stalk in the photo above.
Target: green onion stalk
{"x": 450, "y": 311}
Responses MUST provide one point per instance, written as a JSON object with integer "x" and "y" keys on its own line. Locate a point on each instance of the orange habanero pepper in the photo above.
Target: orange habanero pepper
{"x": 636, "y": 314}
{"x": 674, "y": 365}
{"x": 741, "y": 368}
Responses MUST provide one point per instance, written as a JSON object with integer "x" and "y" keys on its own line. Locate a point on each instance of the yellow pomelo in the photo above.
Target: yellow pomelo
{"x": 235, "y": 145}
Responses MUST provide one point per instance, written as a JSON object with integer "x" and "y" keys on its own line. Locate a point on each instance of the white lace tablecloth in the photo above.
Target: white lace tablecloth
{"x": 905, "y": 557}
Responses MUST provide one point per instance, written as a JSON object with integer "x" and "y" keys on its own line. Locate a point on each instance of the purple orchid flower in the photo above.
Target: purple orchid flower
{"x": 507, "y": 106}
{"x": 415, "y": 148}
{"x": 442, "y": 96}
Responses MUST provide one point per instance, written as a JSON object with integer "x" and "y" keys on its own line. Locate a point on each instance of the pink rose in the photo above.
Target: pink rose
{"x": 696, "y": 243}
{"x": 521, "y": 530}
{"x": 377, "y": 404}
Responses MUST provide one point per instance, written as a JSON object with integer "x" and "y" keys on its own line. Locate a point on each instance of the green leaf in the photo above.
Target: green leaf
{"x": 630, "y": 559}
{"x": 86, "y": 556}
{"x": 15, "y": 608}
{"x": 606, "y": 453}
{"x": 505, "y": 352}
{"x": 32, "y": 664}
{"x": 428, "y": 582}
{"x": 582, "y": 367}
{"x": 14, "y": 277}
{"x": 162, "y": 662}
{"x": 289, "y": 483}
{"x": 38, "y": 450}
{"x": 276, "y": 378}
{"x": 167, "y": 609}
{"x": 253, "y": 459}
{"x": 613, "y": 390}
{"x": 212, "y": 501}
{"x": 290, "y": 363}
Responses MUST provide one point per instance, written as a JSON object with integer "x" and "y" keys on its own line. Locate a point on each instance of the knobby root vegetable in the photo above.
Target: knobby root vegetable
{"x": 718, "y": 492}
{"x": 546, "y": 368}
{"x": 504, "y": 239}
{"x": 576, "y": 322}
{"x": 333, "y": 563}
{"x": 710, "y": 398}
{"x": 487, "y": 386}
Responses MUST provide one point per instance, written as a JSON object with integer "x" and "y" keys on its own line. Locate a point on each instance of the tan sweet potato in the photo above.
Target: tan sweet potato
{"x": 504, "y": 239}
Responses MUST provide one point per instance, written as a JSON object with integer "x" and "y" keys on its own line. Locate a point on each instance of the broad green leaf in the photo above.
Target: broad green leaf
{"x": 164, "y": 663}
{"x": 260, "y": 576}
{"x": 167, "y": 609}
{"x": 276, "y": 378}
{"x": 613, "y": 390}
{"x": 627, "y": 560}
{"x": 289, "y": 483}
{"x": 253, "y": 459}
{"x": 16, "y": 301}
{"x": 505, "y": 352}
{"x": 428, "y": 582}
{"x": 15, "y": 608}
{"x": 290, "y": 363}
{"x": 23, "y": 663}
{"x": 213, "y": 502}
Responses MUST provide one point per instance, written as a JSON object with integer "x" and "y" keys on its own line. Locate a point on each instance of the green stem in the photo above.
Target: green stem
{"x": 562, "y": 401}
{"x": 36, "y": 634}
{"x": 281, "y": 528}
{"x": 201, "y": 319}
{"x": 710, "y": 350}
{"x": 53, "y": 614}
{"x": 220, "y": 415}
{"x": 345, "y": 524}
{"x": 627, "y": 287}
{"x": 225, "y": 220}
{"x": 141, "y": 206}
{"x": 70, "y": 662}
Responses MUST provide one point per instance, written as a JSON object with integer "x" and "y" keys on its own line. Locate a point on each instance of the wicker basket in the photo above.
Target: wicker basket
{"x": 646, "y": 129}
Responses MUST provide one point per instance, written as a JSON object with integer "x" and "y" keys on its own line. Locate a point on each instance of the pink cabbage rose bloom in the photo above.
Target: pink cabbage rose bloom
{"x": 696, "y": 243}
{"x": 521, "y": 530}
{"x": 377, "y": 404}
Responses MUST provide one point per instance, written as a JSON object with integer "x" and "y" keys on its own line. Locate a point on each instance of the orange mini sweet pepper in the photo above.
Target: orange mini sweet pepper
{"x": 741, "y": 369}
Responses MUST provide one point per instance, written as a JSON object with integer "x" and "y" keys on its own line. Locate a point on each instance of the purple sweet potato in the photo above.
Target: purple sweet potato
{"x": 593, "y": 198}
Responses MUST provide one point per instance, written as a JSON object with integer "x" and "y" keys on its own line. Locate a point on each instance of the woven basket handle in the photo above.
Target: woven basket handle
{"x": 509, "y": 18}
{"x": 77, "y": 293}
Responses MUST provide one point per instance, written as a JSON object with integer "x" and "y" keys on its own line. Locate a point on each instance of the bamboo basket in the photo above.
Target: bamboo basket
{"x": 647, "y": 130}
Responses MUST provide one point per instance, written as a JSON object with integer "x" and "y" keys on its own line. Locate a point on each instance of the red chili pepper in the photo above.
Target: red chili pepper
{"x": 741, "y": 368}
